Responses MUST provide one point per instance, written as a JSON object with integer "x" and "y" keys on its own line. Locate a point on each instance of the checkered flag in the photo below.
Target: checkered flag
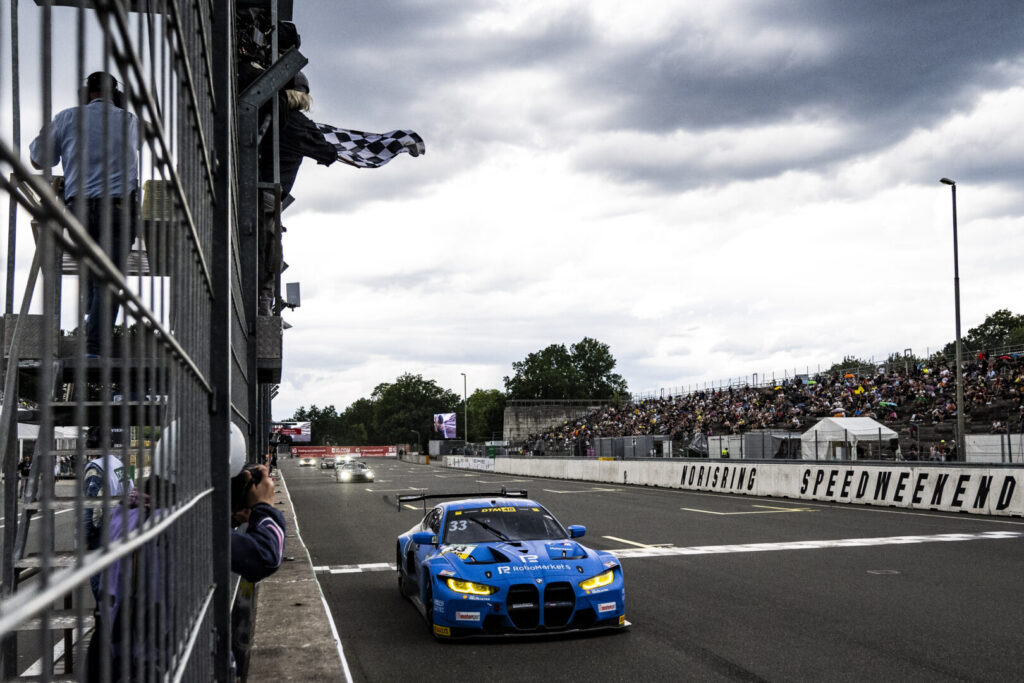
{"x": 371, "y": 150}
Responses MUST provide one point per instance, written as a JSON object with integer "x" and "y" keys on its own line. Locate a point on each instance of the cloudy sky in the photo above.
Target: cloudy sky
{"x": 714, "y": 189}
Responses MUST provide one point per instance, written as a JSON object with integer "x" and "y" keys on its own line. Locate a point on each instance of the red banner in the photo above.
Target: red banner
{"x": 378, "y": 451}
{"x": 331, "y": 451}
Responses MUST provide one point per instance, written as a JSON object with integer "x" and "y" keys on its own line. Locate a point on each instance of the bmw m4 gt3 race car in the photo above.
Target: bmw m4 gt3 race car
{"x": 500, "y": 564}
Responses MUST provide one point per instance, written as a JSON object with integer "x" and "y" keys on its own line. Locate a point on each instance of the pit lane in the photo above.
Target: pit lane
{"x": 718, "y": 587}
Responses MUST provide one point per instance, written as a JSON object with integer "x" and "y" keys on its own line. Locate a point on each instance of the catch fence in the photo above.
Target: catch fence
{"x": 134, "y": 583}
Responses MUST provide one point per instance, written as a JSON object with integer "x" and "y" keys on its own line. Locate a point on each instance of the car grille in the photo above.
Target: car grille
{"x": 559, "y": 604}
{"x": 523, "y": 606}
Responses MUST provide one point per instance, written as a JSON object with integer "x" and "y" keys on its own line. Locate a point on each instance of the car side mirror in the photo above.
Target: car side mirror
{"x": 577, "y": 530}
{"x": 424, "y": 538}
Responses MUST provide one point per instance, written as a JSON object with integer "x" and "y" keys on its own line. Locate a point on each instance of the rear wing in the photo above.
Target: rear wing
{"x": 413, "y": 497}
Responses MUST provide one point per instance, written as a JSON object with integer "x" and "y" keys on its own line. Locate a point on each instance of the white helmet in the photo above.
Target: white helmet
{"x": 165, "y": 464}
{"x": 238, "y": 450}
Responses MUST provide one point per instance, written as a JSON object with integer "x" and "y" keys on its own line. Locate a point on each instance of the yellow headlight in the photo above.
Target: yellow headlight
{"x": 598, "y": 581}
{"x": 469, "y": 587}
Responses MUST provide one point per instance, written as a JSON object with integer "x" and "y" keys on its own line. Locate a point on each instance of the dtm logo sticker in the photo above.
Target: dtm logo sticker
{"x": 467, "y": 616}
{"x": 605, "y": 607}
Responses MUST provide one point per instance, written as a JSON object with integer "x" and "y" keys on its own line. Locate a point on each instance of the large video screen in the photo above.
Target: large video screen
{"x": 444, "y": 425}
{"x": 294, "y": 432}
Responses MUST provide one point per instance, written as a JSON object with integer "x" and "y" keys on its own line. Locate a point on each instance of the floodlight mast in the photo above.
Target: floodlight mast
{"x": 961, "y": 452}
{"x": 465, "y": 409}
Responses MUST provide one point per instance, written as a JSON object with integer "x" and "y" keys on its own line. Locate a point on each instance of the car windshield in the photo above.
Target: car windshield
{"x": 355, "y": 466}
{"x": 483, "y": 525}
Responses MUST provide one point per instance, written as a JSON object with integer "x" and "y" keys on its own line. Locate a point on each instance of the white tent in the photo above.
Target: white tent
{"x": 836, "y": 438}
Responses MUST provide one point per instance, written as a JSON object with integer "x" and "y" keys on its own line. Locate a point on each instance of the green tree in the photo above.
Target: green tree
{"x": 999, "y": 329}
{"x": 359, "y": 423}
{"x": 585, "y": 370}
{"x": 486, "y": 414}
{"x": 325, "y": 424}
{"x": 409, "y": 403}
{"x": 594, "y": 363}
{"x": 850, "y": 363}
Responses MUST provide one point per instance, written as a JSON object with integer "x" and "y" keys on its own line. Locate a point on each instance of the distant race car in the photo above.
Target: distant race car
{"x": 327, "y": 463}
{"x": 307, "y": 461}
{"x": 500, "y": 564}
{"x": 353, "y": 470}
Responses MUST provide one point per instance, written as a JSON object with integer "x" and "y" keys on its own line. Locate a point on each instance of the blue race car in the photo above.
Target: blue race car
{"x": 499, "y": 564}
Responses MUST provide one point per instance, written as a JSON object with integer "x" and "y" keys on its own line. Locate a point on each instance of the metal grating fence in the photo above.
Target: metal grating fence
{"x": 130, "y": 581}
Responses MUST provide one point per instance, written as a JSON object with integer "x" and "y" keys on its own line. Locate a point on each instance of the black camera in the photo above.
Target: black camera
{"x": 256, "y": 476}
{"x": 240, "y": 487}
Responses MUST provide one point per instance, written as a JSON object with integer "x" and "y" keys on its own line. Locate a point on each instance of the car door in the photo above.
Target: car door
{"x": 432, "y": 523}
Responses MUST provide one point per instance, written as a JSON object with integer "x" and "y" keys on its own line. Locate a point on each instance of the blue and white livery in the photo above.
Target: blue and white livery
{"x": 501, "y": 564}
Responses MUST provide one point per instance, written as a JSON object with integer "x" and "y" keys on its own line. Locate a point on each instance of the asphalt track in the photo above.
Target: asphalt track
{"x": 718, "y": 587}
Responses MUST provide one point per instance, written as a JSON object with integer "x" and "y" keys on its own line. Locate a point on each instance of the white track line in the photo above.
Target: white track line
{"x": 323, "y": 599}
{"x": 671, "y": 551}
{"x": 813, "y": 545}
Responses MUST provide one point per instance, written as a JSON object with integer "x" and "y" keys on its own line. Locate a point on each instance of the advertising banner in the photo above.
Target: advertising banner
{"x": 996, "y": 490}
{"x": 378, "y": 451}
{"x": 355, "y": 451}
{"x": 294, "y": 432}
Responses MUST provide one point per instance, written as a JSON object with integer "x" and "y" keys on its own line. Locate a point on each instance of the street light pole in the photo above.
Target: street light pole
{"x": 465, "y": 408}
{"x": 418, "y": 439}
{"x": 961, "y": 448}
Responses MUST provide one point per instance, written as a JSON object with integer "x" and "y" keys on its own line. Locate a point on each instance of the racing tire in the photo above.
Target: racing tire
{"x": 403, "y": 580}
{"x": 428, "y": 603}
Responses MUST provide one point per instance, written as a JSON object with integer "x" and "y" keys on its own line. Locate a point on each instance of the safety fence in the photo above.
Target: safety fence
{"x": 127, "y": 345}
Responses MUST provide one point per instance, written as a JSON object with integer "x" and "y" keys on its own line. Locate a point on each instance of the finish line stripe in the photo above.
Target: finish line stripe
{"x": 813, "y": 545}
{"x": 670, "y": 551}
{"x": 357, "y": 568}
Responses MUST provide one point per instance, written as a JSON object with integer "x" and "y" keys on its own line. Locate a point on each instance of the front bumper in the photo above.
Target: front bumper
{"x": 353, "y": 478}
{"x": 551, "y": 607}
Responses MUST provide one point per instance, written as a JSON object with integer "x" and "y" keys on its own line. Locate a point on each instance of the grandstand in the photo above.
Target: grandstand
{"x": 916, "y": 398}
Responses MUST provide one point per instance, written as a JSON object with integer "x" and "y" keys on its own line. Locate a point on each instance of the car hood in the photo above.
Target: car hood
{"x": 533, "y": 558}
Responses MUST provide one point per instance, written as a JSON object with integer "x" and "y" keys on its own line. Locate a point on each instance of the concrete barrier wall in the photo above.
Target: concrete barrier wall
{"x": 986, "y": 490}
{"x": 418, "y": 458}
{"x": 465, "y": 462}
{"x": 522, "y": 420}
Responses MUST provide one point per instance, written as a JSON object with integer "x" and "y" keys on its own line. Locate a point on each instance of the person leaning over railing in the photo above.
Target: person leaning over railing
{"x": 299, "y": 138}
{"x": 256, "y": 552}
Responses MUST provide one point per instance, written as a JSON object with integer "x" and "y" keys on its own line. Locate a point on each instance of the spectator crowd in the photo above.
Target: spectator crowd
{"x": 903, "y": 395}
